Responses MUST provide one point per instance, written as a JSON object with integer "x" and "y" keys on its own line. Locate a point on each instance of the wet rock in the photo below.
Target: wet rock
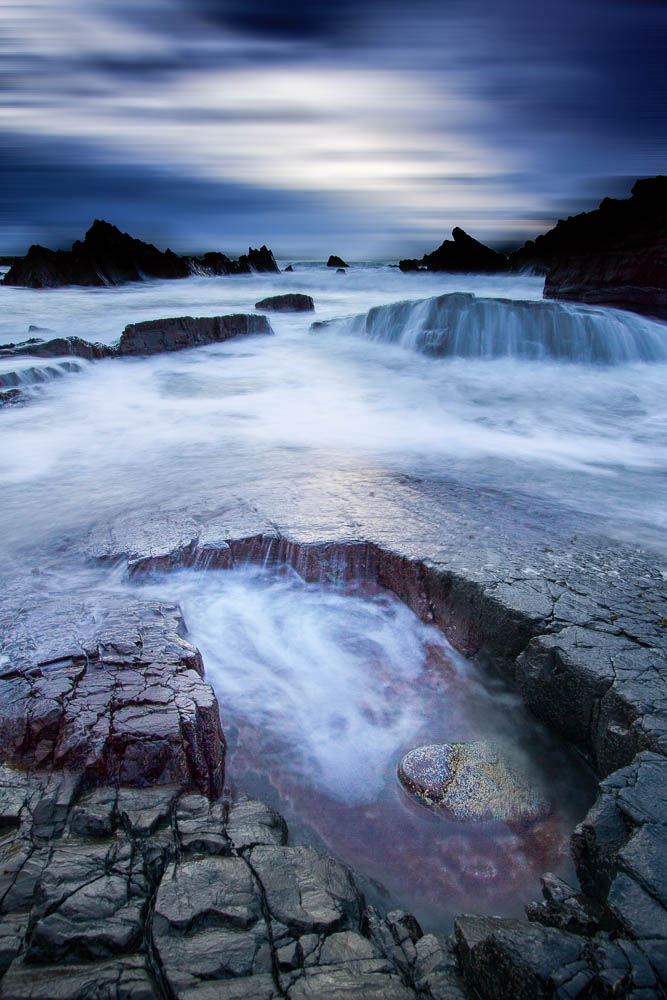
{"x": 58, "y": 347}
{"x": 510, "y": 958}
{"x": 157, "y": 335}
{"x": 463, "y": 253}
{"x": 90, "y": 904}
{"x": 566, "y": 908}
{"x": 306, "y": 891}
{"x": 335, "y": 261}
{"x": 471, "y": 782}
{"x": 289, "y": 269}
{"x": 131, "y": 708}
{"x": 370, "y": 980}
{"x": 10, "y": 397}
{"x": 340, "y": 270}
{"x": 436, "y": 969}
{"x": 116, "y": 979}
{"x": 293, "y": 302}
{"x": 252, "y": 823}
{"x": 200, "y": 825}
{"x": 208, "y": 923}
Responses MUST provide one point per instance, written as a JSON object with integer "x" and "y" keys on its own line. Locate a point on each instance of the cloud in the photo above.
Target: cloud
{"x": 415, "y": 116}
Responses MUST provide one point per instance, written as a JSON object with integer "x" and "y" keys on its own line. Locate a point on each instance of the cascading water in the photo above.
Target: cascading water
{"x": 323, "y": 689}
{"x": 461, "y": 325}
{"x": 342, "y": 435}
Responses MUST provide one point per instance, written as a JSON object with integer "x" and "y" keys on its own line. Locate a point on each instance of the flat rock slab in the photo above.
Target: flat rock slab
{"x": 293, "y": 302}
{"x": 155, "y": 336}
{"x": 122, "y": 701}
{"x": 471, "y": 782}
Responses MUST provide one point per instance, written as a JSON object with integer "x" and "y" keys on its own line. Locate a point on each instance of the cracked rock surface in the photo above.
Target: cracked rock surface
{"x": 114, "y": 756}
{"x": 119, "y": 892}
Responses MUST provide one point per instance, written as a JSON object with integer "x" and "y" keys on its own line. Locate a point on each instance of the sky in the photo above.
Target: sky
{"x": 364, "y": 129}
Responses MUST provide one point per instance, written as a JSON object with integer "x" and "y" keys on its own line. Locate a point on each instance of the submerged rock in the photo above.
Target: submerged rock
{"x": 335, "y": 261}
{"x": 174, "y": 334}
{"x": 471, "y": 782}
{"x": 463, "y": 253}
{"x": 292, "y": 302}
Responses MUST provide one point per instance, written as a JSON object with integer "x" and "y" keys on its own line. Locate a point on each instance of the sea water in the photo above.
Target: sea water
{"x": 322, "y": 690}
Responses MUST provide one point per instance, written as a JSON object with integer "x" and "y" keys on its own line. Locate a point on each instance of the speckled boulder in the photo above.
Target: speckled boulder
{"x": 471, "y": 782}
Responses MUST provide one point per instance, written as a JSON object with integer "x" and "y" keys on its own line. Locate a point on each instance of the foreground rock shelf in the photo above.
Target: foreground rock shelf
{"x": 114, "y": 774}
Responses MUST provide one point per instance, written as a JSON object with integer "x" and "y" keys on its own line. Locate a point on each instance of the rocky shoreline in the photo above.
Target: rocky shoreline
{"x": 112, "y": 779}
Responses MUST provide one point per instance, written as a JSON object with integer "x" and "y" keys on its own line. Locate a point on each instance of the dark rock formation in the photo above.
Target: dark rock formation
{"x": 289, "y": 269}
{"x": 293, "y": 302}
{"x": 472, "y": 782}
{"x": 156, "y": 335}
{"x": 261, "y": 260}
{"x": 340, "y": 270}
{"x": 212, "y": 264}
{"x": 463, "y": 253}
{"x": 615, "y": 255}
{"x": 58, "y": 347}
{"x": 117, "y": 892}
{"x": 130, "y": 706}
{"x": 108, "y": 257}
{"x": 105, "y": 257}
{"x": 335, "y": 261}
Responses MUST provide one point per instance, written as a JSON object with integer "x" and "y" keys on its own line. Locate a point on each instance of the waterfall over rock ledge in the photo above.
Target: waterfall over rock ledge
{"x": 462, "y": 325}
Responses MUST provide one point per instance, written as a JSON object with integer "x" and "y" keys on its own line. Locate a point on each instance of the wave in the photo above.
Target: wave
{"x": 462, "y": 325}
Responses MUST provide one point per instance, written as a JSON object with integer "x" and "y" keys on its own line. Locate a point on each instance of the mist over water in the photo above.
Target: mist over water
{"x": 256, "y": 413}
{"x": 321, "y": 690}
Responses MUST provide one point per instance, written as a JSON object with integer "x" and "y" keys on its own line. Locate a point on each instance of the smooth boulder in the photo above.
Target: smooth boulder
{"x": 472, "y": 782}
{"x": 293, "y": 302}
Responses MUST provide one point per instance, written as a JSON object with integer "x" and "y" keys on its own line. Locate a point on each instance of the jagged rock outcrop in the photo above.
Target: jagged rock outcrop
{"x": 335, "y": 261}
{"x": 157, "y": 335}
{"x": 463, "y": 253}
{"x": 292, "y": 302}
{"x": 106, "y": 256}
{"x": 261, "y": 260}
{"x": 615, "y": 255}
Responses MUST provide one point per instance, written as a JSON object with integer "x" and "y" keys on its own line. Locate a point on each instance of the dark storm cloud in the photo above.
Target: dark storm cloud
{"x": 430, "y": 112}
